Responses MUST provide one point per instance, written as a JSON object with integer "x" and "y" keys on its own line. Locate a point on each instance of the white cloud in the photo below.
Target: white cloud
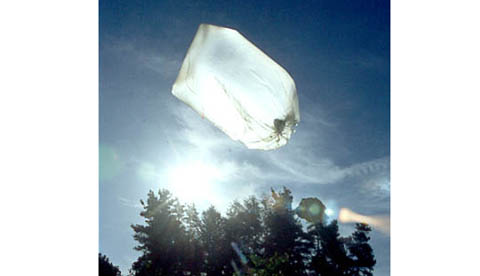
{"x": 307, "y": 167}
{"x": 167, "y": 66}
{"x": 293, "y": 164}
{"x": 130, "y": 203}
{"x": 161, "y": 61}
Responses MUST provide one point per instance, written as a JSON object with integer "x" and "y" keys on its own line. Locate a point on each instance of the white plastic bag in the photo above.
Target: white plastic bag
{"x": 242, "y": 91}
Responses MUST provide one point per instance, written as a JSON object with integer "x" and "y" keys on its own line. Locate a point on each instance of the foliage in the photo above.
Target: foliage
{"x": 330, "y": 255}
{"x": 268, "y": 265}
{"x": 215, "y": 244}
{"x": 256, "y": 237}
{"x": 361, "y": 252}
{"x": 163, "y": 239}
{"x": 106, "y": 268}
{"x": 335, "y": 255}
{"x": 285, "y": 236}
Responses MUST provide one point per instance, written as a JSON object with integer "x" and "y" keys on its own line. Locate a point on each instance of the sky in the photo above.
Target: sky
{"x": 338, "y": 53}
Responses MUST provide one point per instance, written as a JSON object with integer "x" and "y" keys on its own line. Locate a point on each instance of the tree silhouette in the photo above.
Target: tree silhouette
{"x": 335, "y": 255}
{"x": 330, "y": 257}
{"x": 245, "y": 232}
{"x": 257, "y": 237}
{"x": 162, "y": 239}
{"x": 212, "y": 236}
{"x": 194, "y": 252}
{"x": 106, "y": 268}
{"x": 285, "y": 236}
{"x": 361, "y": 252}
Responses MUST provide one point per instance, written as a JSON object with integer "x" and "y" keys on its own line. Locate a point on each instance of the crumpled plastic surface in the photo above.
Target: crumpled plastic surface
{"x": 242, "y": 91}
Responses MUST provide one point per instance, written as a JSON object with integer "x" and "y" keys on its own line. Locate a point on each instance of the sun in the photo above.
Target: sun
{"x": 193, "y": 182}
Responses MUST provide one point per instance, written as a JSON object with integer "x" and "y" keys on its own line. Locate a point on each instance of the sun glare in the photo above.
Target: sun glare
{"x": 329, "y": 212}
{"x": 193, "y": 182}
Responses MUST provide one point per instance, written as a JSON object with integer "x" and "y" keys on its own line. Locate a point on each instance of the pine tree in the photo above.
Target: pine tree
{"x": 106, "y": 268}
{"x": 163, "y": 237}
{"x": 214, "y": 243}
{"x": 256, "y": 238}
{"x": 194, "y": 253}
{"x": 285, "y": 236}
{"x": 244, "y": 225}
{"x": 361, "y": 252}
{"x": 244, "y": 232}
{"x": 330, "y": 255}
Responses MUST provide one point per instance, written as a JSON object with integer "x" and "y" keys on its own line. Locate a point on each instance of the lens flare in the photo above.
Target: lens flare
{"x": 110, "y": 163}
{"x": 329, "y": 212}
{"x": 381, "y": 223}
{"x": 311, "y": 209}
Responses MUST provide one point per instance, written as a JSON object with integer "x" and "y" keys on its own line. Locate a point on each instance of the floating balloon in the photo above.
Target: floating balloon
{"x": 242, "y": 91}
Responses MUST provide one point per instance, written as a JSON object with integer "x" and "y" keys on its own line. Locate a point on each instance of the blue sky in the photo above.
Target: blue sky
{"x": 338, "y": 53}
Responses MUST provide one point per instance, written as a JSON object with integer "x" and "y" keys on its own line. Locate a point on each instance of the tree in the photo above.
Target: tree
{"x": 244, "y": 225}
{"x": 335, "y": 255}
{"x": 270, "y": 266}
{"x": 244, "y": 231}
{"x": 285, "y": 236}
{"x": 162, "y": 239}
{"x": 330, "y": 255}
{"x": 361, "y": 252}
{"x": 106, "y": 268}
{"x": 194, "y": 258}
{"x": 214, "y": 243}
{"x": 255, "y": 238}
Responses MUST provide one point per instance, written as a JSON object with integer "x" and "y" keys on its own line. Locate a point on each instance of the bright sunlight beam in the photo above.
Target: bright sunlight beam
{"x": 193, "y": 182}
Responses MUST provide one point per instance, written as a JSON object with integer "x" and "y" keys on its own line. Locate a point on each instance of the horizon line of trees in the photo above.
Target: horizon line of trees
{"x": 256, "y": 237}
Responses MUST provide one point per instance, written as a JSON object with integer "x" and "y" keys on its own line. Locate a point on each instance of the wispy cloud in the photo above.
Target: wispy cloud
{"x": 300, "y": 164}
{"x": 167, "y": 66}
{"x": 308, "y": 167}
{"x": 308, "y": 160}
{"x": 164, "y": 61}
{"x": 130, "y": 203}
